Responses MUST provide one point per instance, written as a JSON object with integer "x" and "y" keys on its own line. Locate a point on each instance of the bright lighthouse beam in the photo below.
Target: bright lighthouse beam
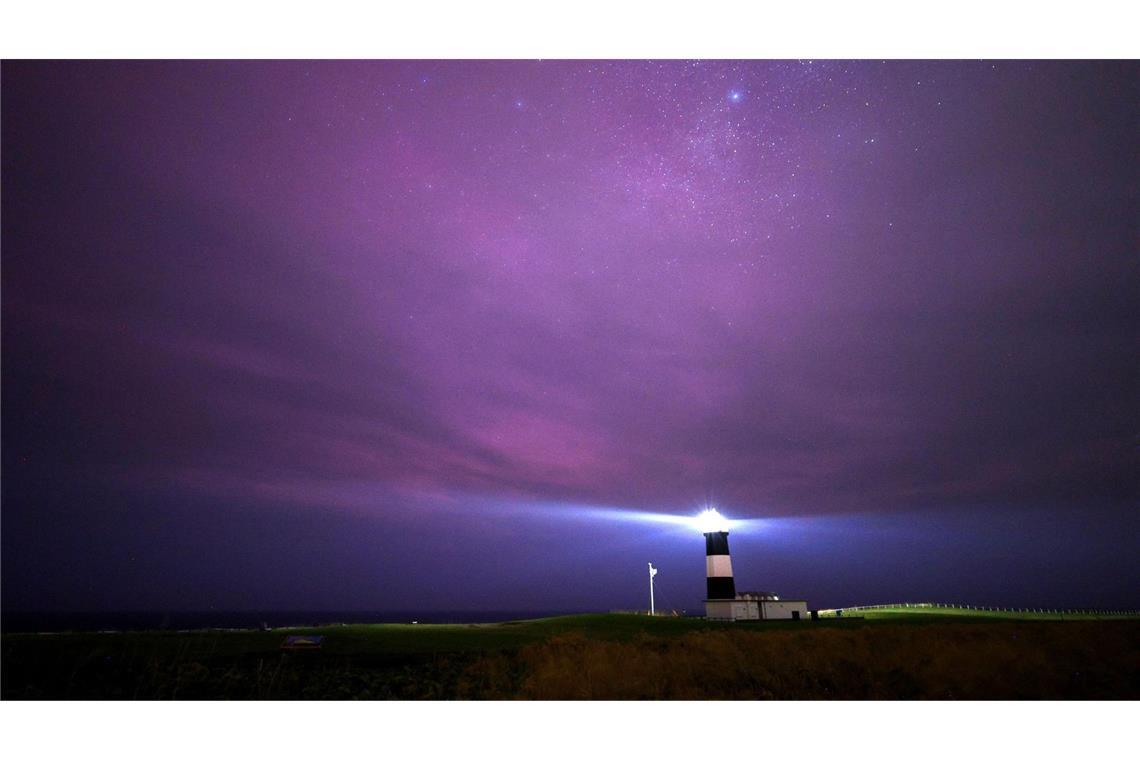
{"x": 710, "y": 521}
{"x": 707, "y": 521}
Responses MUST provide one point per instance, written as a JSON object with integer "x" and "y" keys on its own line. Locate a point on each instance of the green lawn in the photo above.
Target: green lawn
{"x": 382, "y": 638}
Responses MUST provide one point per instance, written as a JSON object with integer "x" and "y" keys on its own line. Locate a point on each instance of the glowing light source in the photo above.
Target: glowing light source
{"x": 707, "y": 521}
{"x": 710, "y": 521}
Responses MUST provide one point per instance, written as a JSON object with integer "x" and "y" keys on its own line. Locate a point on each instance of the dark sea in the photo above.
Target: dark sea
{"x": 31, "y": 622}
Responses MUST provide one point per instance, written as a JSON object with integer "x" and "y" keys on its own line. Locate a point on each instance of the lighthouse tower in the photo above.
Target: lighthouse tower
{"x": 722, "y": 601}
{"x": 718, "y": 565}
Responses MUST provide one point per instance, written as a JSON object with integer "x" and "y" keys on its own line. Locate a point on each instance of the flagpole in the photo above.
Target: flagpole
{"x": 652, "y": 572}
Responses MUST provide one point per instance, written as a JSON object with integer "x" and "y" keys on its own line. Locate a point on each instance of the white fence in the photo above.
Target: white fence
{"x": 839, "y": 611}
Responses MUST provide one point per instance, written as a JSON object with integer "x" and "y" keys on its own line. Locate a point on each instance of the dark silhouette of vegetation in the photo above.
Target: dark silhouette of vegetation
{"x": 1000, "y": 661}
{"x": 594, "y": 657}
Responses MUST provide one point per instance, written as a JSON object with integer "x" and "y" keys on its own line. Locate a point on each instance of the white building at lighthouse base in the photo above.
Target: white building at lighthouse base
{"x": 756, "y": 605}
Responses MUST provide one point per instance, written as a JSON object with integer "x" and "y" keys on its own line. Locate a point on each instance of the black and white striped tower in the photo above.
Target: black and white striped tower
{"x": 718, "y": 564}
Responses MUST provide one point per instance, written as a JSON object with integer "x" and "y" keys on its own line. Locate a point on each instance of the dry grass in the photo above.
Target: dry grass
{"x": 594, "y": 657}
{"x": 998, "y": 661}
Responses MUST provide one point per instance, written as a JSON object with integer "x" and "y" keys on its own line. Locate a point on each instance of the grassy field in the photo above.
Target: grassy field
{"x": 912, "y": 654}
{"x": 897, "y": 611}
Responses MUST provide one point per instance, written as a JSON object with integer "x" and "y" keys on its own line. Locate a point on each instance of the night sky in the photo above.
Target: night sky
{"x": 441, "y": 335}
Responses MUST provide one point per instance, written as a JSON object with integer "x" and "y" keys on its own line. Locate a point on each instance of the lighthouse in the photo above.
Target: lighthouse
{"x": 722, "y": 602}
{"x": 718, "y": 566}
{"x": 720, "y": 599}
